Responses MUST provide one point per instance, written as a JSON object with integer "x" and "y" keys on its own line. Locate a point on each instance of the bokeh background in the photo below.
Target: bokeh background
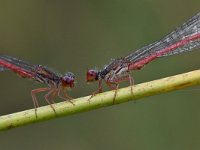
{"x": 79, "y": 34}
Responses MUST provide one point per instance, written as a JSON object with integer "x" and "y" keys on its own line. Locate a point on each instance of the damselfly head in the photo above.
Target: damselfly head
{"x": 91, "y": 75}
{"x": 68, "y": 80}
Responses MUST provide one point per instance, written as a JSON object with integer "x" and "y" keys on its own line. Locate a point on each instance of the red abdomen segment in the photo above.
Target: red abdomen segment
{"x": 139, "y": 64}
{"x": 23, "y": 73}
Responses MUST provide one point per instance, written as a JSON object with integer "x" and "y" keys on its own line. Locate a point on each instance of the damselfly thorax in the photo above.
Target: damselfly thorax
{"x": 117, "y": 73}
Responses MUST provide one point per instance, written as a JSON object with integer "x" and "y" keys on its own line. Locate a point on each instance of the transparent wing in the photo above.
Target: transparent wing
{"x": 25, "y": 69}
{"x": 18, "y": 62}
{"x": 189, "y": 28}
{"x": 2, "y": 68}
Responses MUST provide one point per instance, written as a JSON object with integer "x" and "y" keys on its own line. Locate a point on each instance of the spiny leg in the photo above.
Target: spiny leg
{"x": 66, "y": 97}
{"x": 54, "y": 93}
{"x": 52, "y": 90}
{"x": 131, "y": 81}
{"x": 114, "y": 86}
{"x": 35, "y": 104}
{"x": 100, "y": 88}
{"x": 125, "y": 78}
{"x": 33, "y": 93}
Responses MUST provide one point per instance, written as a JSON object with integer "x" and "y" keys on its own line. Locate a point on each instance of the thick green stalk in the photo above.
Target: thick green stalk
{"x": 101, "y": 100}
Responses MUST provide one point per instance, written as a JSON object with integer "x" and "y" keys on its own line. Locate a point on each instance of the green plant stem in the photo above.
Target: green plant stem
{"x": 101, "y": 100}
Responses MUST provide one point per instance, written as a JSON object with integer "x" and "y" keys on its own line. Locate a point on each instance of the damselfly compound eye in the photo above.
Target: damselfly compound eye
{"x": 68, "y": 80}
{"x": 91, "y": 75}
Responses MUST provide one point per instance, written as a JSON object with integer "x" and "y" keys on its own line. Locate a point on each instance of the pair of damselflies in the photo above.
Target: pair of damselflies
{"x": 184, "y": 38}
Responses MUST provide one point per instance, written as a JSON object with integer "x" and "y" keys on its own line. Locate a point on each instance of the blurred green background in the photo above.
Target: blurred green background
{"x": 79, "y": 34}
